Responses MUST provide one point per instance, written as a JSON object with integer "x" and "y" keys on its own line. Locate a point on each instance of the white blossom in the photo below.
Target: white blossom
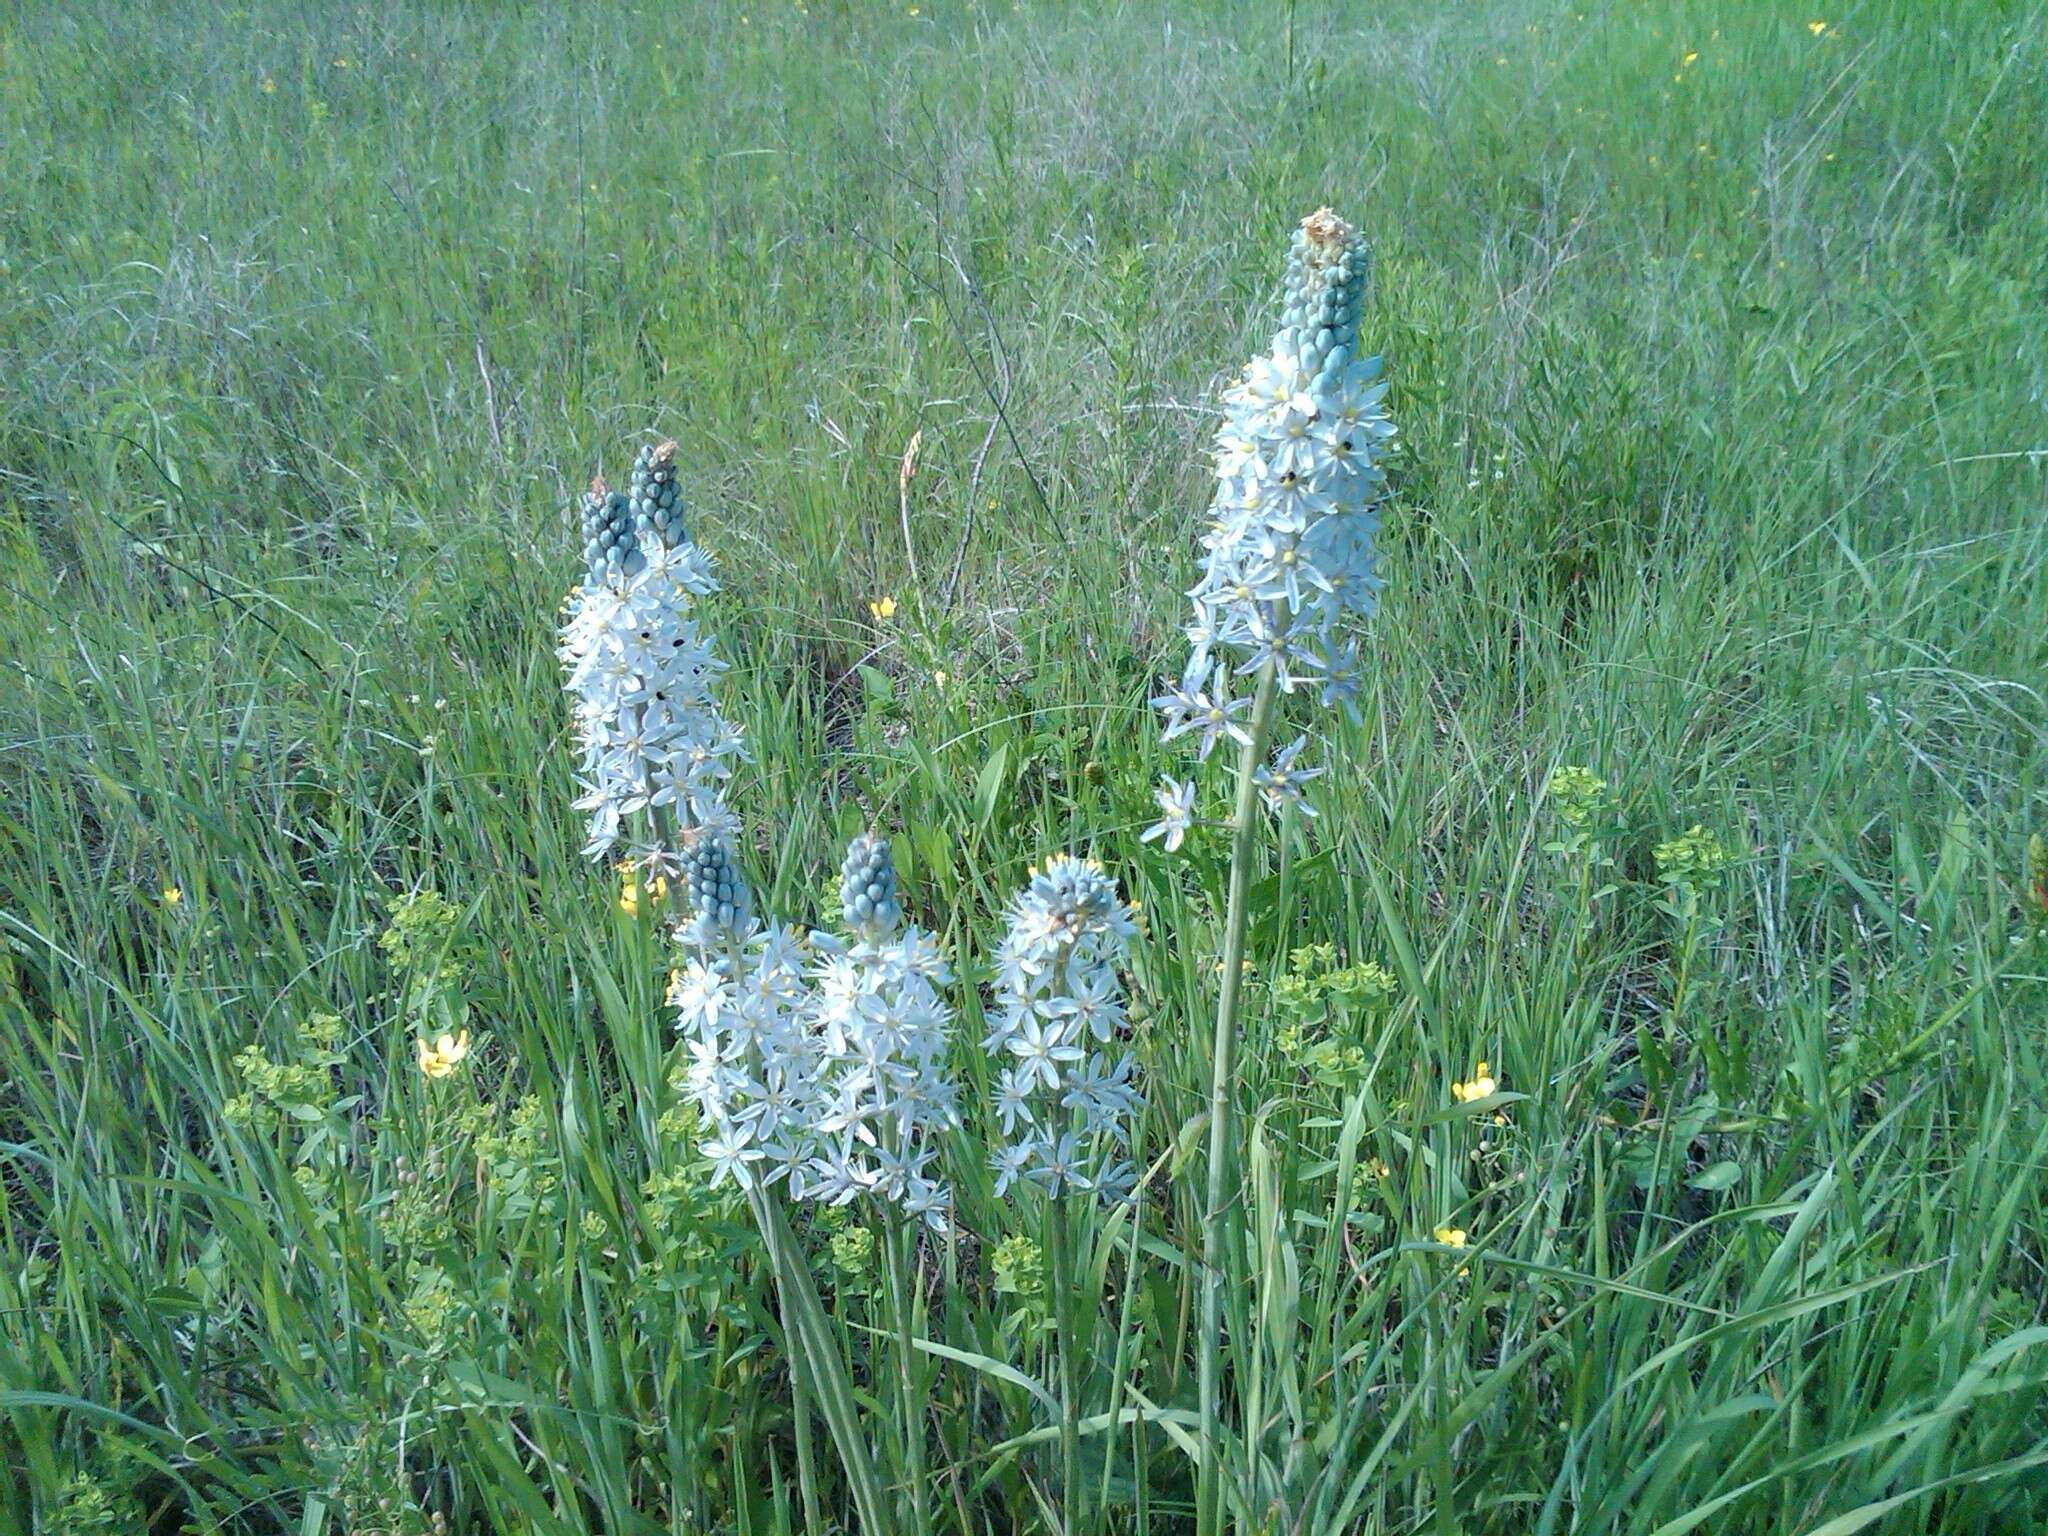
{"x": 640, "y": 671}
{"x": 1290, "y": 543}
{"x": 877, "y": 1022}
{"x": 751, "y": 1068}
{"x": 1062, "y": 1106}
{"x": 1177, "y": 812}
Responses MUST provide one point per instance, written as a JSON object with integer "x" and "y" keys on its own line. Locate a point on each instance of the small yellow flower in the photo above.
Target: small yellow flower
{"x": 1479, "y": 1087}
{"x": 883, "y": 608}
{"x": 1686, "y": 62}
{"x": 1450, "y": 1237}
{"x": 1378, "y": 1169}
{"x": 440, "y": 1057}
{"x": 630, "y": 890}
{"x": 939, "y": 676}
{"x": 172, "y": 895}
{"x": 268, "y": 87}
{"x": 1816, "y": 27}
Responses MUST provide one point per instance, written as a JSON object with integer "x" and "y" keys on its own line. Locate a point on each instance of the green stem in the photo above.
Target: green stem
{"x": 800, "y": 1415}
{"x": 1209, "y": 1492}
{"x": 901, "y": 1237}
{"x": 816, "y": 1351}
{"x": 762, "y": 1201}
{"x": 1062, "y": 1286}
{"x": 1116, "y": 1376}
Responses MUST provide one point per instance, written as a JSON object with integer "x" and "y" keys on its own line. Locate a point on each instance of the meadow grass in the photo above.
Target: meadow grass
{"x": 1716, "y": 342}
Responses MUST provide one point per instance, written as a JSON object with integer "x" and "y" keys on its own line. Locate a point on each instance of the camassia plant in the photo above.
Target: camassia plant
{"x": 1290, "y": 565}
{"x": 817, "y": 1062}
{"x": 655, "y": 756}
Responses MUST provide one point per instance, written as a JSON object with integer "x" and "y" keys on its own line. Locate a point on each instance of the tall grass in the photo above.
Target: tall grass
{"x": 1716, "y": 349}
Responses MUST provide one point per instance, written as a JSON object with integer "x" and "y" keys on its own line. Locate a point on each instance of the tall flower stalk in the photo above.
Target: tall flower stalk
{"x": 1289, "y": 568}
{"x": 741, "y": 999}
{"x": 1062, "y": 1103}
{"x": 878, "y": 1022}
{"x": 656, "y": 754}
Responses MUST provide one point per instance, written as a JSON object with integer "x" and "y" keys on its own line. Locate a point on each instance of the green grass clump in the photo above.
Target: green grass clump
{"x": 1701, "y": 745}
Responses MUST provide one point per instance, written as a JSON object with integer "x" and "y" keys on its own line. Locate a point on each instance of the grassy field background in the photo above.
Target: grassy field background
{"x": 1717, "y": 346}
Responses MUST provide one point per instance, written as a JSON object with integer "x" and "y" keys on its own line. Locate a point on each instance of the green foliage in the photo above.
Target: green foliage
{"x": 1715, "y": 344}
{"x": 1018, "y": 1267}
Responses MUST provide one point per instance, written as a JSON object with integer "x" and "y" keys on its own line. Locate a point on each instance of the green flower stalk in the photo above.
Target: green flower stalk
{"x": 1288, "y": 576}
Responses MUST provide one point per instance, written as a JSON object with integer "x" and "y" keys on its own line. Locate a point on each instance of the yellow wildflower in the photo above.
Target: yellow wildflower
{"x": 440, "y": 1057}
{"x": 630, "y": 890}
{"x": 883, "y": 608}
{"x": 268, "y": 87}
{"x": 1816, "y": 27}
{"x": 172, "y": 895}
{"x": 1450, "y": 1237}
{"x": 1481, "y": 1085}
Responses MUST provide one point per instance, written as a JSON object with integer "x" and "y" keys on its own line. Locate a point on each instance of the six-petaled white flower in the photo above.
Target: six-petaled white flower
{"x": 1176, "y": 799}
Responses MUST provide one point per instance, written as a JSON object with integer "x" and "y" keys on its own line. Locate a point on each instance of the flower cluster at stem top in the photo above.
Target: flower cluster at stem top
{"x": 640, "y": 671}
{"x": 1063, "y": 1098}
{"x": 1292, "y": 526}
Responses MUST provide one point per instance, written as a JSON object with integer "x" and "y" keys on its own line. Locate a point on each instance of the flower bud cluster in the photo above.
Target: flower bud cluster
{"x": 1062, "y": 1103}
{"x": 867, "y": 886}
{"x": 653, "y": 497}
{"x": 718, "y": 905}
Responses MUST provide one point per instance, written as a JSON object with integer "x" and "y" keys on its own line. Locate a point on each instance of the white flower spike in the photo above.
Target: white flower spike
{"x": 639, "y": 668}
{"x": 1063, "y": 1107}
{"x": 1293, "y": 523}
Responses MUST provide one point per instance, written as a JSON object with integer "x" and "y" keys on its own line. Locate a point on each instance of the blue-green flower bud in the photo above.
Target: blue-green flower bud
{"x": 717, "y": 894}
{"x": 1326, "y": 273}
{"x": 653, "y": 496}
{"x": 606, "y": 524}
{"x": 867, "y": 887}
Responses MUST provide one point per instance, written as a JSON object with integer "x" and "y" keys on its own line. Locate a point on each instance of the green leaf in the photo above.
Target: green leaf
{"x": 1716, "y": 1176}
{"x": 989, "y": 1366}
{"x": 878, "y": 687}
{"x": 988, "y": 785}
